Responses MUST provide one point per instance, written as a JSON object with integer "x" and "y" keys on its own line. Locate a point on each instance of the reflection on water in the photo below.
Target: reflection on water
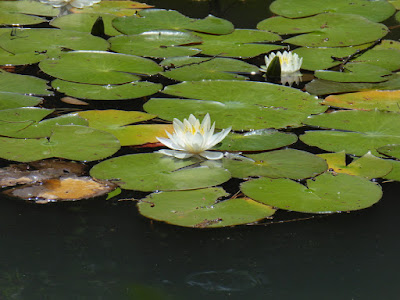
{"x": 226, "y": 281}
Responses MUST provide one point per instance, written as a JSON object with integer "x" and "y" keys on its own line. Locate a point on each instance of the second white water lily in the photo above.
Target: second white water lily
{"x": 290, "y": 62}
{"x": 192, "y": 138}
{"x": 70, "y": 3}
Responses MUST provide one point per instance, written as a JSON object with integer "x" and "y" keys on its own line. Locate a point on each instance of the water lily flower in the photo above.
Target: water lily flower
{"x": 70, "y": 3}
{"x": 192, "y": 138}
{"x": 290, "y": 63}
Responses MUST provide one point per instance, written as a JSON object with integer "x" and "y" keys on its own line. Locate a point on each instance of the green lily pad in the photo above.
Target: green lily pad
{"x": 115, "y": 121}
{"x": 243, "y": 43}
{"x": 325, "y": 87}
{"x": 23, "y": 84}
{"x": 240, "y": 104}
{"x": 356, "y": 72}
{"x": 385, "y": 55}
{"x": 50, "y": 41}
{"x": 256, "y": 140}
{"x": 397, "y": 17}
{"x": 288, "y": 163}
{"x": 131, "y": 90}
{"x": 154, "y": 171}
{"x": 118, "y": 8}
{"x": 200, "y": 209}
{"x": 13, "y": 100}
{"x": 84, "y": 22}
{"x": 157, "y": 43}
{"x": 395, "y": 173}
{"x": 29, "y": 7}
{"x": 376, "y": 11}
{"x": 200, "y": 68}
{"x": 158, "y": 19}
{"x": 368, "y": 100}
{"x": 66, "y": 141}
{"x": 97, "y": 67}
{"x": 368, "y": 166}
{"x": 390, "y": 150}
{"x": 8, "y": 58}
{"x": 17, "y": 19}
{"x": 324, "y": 194}
{"x": 356, "y": 132}
{"x": 326, "y": 30}
{"x": 395, "y": 3}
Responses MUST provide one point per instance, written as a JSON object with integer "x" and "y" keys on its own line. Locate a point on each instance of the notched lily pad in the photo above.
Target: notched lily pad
{"x": 326, "y": 193}
{"x": 157, "y": 19}
{"x": 201, "y": 209}
{"x": 23, "y": 84}
{"x": 18, "y": 19}
{"x": 117, "y": 8}
{"x": 14, "y": 100}
{"x": 154, "y": 171}
{"x": 390, "y": 150}
{"x": 288, "y": 163}
{"x": 29, "y": 7}
{"x": 63, "y": 189}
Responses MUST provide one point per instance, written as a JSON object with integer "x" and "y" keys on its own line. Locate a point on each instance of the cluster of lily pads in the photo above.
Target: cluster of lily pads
{"x": 123, "y": 50}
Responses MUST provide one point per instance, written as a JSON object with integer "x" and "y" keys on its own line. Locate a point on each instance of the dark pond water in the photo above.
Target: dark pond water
{"x": 102, "y": 250}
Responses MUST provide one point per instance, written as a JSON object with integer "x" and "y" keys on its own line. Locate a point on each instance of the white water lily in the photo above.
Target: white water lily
{"x": 70, "y": 3}
{"x": 290, "y": 63}
{"x": 192, "y": 138}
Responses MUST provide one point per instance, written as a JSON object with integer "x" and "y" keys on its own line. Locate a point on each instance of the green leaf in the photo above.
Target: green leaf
{"x": 29, "y": 7}
{"x": 8, "y": 58}
{"x": 115, "y": 121}
{"x": 376, "y": 11}
{"x": 395, "y": 173}
{"x": 256, "y": 140}
{"x": 390, "y": 150}
{"x": 158, "y": 19}
{"x": 17, "y": 19}
{"x": 200, "y": 209}
{"x": 50, "y": 41}
{"x": 356, "y": 132}
{"x": 67, "y": 141}
{"x": 324, "y": 194}
{"x": 131, "y": 90}
{"x": 118, "y": 8}
{"x": 97, "y": 67}
{"x": 368, "y": 166}
{"x": 23, "y": 84}
{"x": 288, "y": 163}
{"x": 200, "y": 68}
{"x": 243, "y": 43}
{"x": 157, "y": 43}
{"x": 13, "y": 100}
{"x": 154, "y": 171}
{"x": 326, "y": 30}
{"x": 84, "y": 22}
{"x": 240, "y": 104}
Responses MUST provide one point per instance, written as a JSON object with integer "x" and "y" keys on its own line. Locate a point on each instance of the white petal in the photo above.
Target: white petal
{"x": 212, "y": 155}
{"x": 169, "y": 143}
{"x": 218, "y": 137}
{"x": 177, "y": 154}
{"x": 206, "y": 123}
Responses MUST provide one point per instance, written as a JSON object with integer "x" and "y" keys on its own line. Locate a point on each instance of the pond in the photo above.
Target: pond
{"x": 107, "y": 249}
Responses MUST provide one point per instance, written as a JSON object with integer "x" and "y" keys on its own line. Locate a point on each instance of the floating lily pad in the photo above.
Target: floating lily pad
{"x": 118, "y": 8}
{"x": 200, "y": 209}
{"x": 368, "y": 100}
{"x": 243, "y": 43}
{"x": 158, "y": 19}
{"x": 200, "y": 68}
{"x": 157, "y": 43}
{"x": 50, "y": 41}
{"x": 325, "y": 194}
{"x": 368, "y": 166}
{"x": 63, "y": 189}
{"x": 97, "y": 67}
{"x": 29, "y": 7}
{"x": 256, "y": 140}
{"x": 395, "y": 173}
{"x": 356, "y": 72}
{"x": 8, "y": 58}
{"x": 23, "y": 84}
{"x": 357, "y": 132}
{"x": 326, "y": 30}
{"x": 377, "y": 11}
{"x": 390, "y": 150}
{"x": 17, "y": 19}
{"x": 115, "y": 121}
{"x": 84, "y": 22}
{"x": 67, "y": 141}
{"x": 288, "y": 163}
{"x": 240, "y": 104}
{"x": 154, "y": 171}
{"x": 131, "y": 90}
{"x": 325, "y": 87}
{"x": 397, "y": 16}
{"x": 13, "y": 100}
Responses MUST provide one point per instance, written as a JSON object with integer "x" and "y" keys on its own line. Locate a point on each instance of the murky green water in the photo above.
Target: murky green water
{"x": 108, "y": 251}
